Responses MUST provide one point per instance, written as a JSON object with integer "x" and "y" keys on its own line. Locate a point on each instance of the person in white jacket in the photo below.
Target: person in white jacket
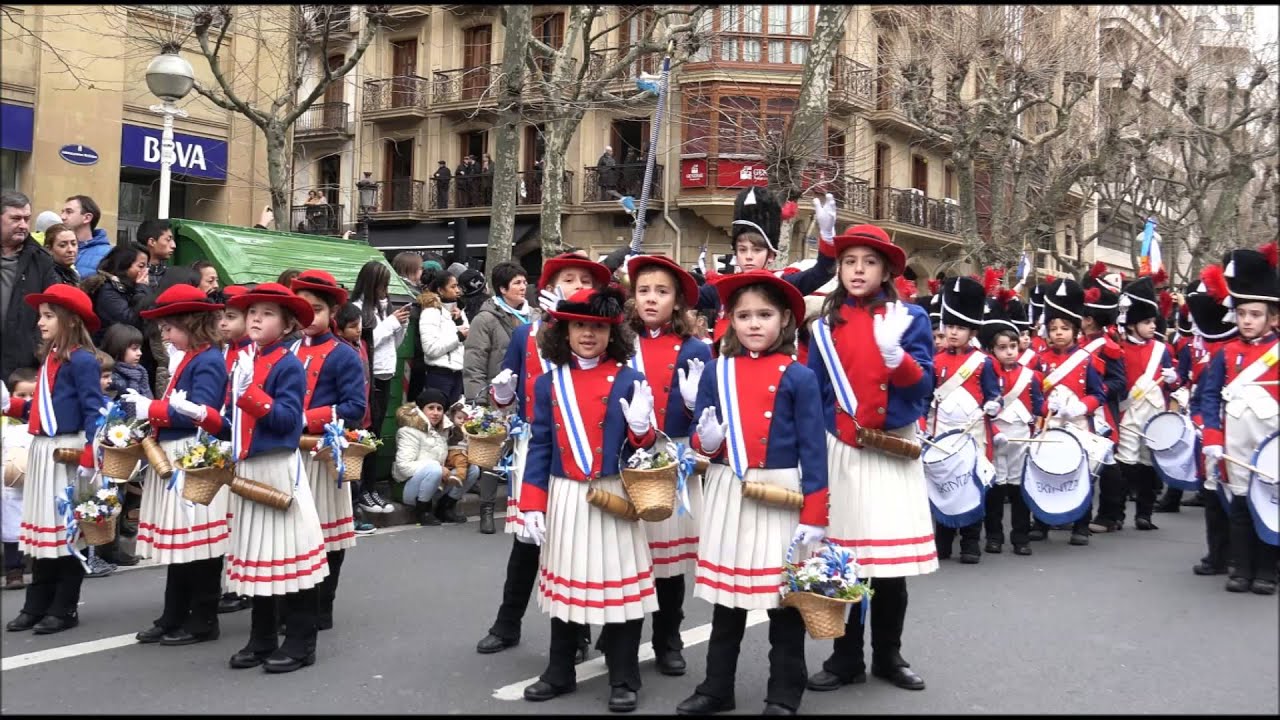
{"x": 442, "y": 329}
{"x": 384, "y": 330}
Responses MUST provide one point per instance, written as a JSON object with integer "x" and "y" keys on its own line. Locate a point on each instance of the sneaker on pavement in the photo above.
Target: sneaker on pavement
{"x": 367, "y": 503}
{"x": 99, "y": 567}
{"x": 382, "y": 504}
{"x": 364, "y": 527}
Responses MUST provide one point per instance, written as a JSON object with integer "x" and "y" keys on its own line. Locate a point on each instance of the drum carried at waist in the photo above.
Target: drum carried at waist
{"x": 1056, "y": 481}
{"x": 1264, "y": 493}
{"x": 1171, "y": 438}
{"x": 957, "y": 478}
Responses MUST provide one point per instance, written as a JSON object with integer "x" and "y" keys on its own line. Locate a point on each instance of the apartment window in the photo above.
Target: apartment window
{"x": 775, "y": 119}
{"x": 738, "y": 125}
{"x": 697, "y": 125}
{"x": 835, "y": 145}
{"x": 549, "y": 29}
{"x": 949, "y": 182}
{"x": 776, "y": 34}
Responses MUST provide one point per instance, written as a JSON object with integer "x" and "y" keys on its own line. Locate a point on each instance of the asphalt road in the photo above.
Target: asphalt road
{"x": 1121, "y": 626}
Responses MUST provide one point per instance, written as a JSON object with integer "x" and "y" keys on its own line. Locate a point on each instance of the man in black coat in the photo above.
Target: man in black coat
{"x": 25, "y": 268}
{"x": 442, "y": 177}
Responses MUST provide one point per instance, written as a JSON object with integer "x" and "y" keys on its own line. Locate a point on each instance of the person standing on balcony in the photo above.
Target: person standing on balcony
{"x": 464, "y": 186}
{"x": 486, "y": 179}
{"x": 442, "y": 177}
{"x": 607, "y": 172}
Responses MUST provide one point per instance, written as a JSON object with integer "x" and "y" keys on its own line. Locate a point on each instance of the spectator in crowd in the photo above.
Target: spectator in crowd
{"x": 442, "y": 328}
{"x": 472, "y": 284}
{"x": 383, "y": 330}
{"x": 607, "y": 173}
{"x": 288, "y": 275}
{"x": 442, "y": 176}
{"x": 486, "y": 180}
{"x": 61, "y": 243}
{"x": 491, "y": 328}
{"x": 349, "y": 325}
{"x": 208, "y": 277}
{"x": 123, "y": 345}
{"x": 81, "y": 214}
{"x": 44, "y": 221}
{"x": 119, "y": 288}
{"x": 464, "y": 184}
{"x": 425, "y": 462}
{"x": 157, "y": 237}
{"x": 24, "y": 269}
{"x": 15, "y": 441}
{"x": 409, "y": 266}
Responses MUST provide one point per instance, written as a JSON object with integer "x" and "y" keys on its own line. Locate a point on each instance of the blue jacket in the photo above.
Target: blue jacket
{"x": 806, "y": 281}
{"x": 514, "y": 361}
{"x": 204, "y": 378}
{"x": 340, "y": 386}
{"x": 77, "y": 398}
{"x": 92, "y": 252}
{"x": 272, "y": 409}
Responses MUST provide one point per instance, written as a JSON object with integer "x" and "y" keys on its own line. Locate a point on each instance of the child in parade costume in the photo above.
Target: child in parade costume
{"x": 1212, "y": 333}
{"x": 63, "y": 414}
{"x": 1147, "y": 364}
{"x": 336, "y": 391}
{"x": 1021, "y": 403}
{"x": 15, "y": 440}
{"x": 874, "y": 360}
{"x": 234, "y": 335}
{"x": 1172, "y": 499}
{"x": 759, "y": 419}
{"x": 1072, "y": 384}
{"x": 1240, "y": 405}
{"x": 673, "y": 364}
{"x": 966, "y": 392}
{"x": 590, "y": 408}
{"x": 524, "y": 363}
{"x": 188, "y": 537}
{"x": 273, "y": 552}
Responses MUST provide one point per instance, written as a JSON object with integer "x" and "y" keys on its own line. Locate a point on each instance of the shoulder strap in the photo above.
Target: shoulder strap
{"x": 1255, "y": 370}
{"x": 1024, "y": 379}
{"x": 965, "y": 371}
{"x": 845, "y": 397}
{"x": 1069, "y": 366}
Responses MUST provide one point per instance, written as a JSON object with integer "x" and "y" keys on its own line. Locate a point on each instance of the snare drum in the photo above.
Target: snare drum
{"x": 1056, "y": 481}
{"x": 956, "y": 489}
{"x": 1264, "y": 493}
{"x": 1171, "y": 438}
{"x": 1097, "y": 449}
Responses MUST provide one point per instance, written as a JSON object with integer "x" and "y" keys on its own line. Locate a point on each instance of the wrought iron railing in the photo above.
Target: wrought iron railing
{"x": 399, "y": 91}
{"x": 607, "y": 57}
{"x": 851, "y": 81}
{"x": 323, "y": 118}
{"x": 944, "y": 217}
{"x": 902, "y": 206}
{"x": 473, "y": 83}
{"x": 612, "y": 182}
{"x": 321, "y": 219}
{"x": 401, "y": 195}
{"x": 476, "y": 191}
{"x": 529, "y": 191}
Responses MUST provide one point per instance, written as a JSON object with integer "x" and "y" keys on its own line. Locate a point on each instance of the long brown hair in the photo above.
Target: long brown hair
{"x": 786, "y": 342}
{"x": 681, "y": 316}
{"x": 71, "y": 334}
{"x": 201, "y": 328}
{"x": 837, "y": 298}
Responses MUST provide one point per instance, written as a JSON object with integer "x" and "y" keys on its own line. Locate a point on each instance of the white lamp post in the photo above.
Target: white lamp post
{"x": 170, "y": 78}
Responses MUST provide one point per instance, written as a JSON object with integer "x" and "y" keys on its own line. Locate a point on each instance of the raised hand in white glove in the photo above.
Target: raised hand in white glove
{"x": 1169, "y": 375}
{"x": 689, "y": 382}
{"x": 806, "y": 534}
{"x": 992, "y": 407}
{"x": 1213, "y": 453}
{"x": 141, "y": 405}
{"x": 4, "y": 396}
{"x": 824, "y": 213}
{"x": 550, "y": 298}
{"x": 711, "y": 432}
{"x": 535, "y": 525}
{"x": 242, "y": 371}
{"x": 889, "y": 329}
{"x": 181, "y": 405}
{"x": 639, "y": 410}
{"x": 504, "y": 386}
{"x": 999, "y": 440}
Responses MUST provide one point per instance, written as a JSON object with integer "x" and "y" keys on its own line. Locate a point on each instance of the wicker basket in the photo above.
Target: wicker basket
{"x": 823, "y": 616}
{"x": 653, "y": 492}
{"x": 119, "y": 463}
{"x": 99, "y": 533}
{"x": 202, "y": 485}
{"x": 485, "y": 450}
{"x": 352, "y": 460}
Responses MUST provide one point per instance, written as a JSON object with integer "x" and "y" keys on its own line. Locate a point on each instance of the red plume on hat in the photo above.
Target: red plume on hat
{"x": 1166, "y": 303}
{"x": 1006, "y": 294}
{"x": 1050, "y": 279}
{"x": 1215, "y": 282}
{"x": 1271, "y": 252}
{"x": 906, "y": 288}
{"x": 1092, "y": 295}
{"x": 1098, "y": 270}
{"x": 1160, "y": 277}
{"x": 789, "y": 209}
{"x": 935, "y": 286}
{"x": 991, "y": 278}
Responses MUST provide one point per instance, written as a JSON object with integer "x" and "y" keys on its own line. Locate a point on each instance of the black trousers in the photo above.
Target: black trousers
{"x": 299, "y": 610}
{"x": 13, "y": 557}
{"x": 1143, "y": 482}
{"x": 191, "y": 594}
{"x": 329, "y": 586}
{"x": 1217, "y": 530}
{"x": 1113, "y": 493}
{"x": 378, "y": 400}
{"x": 517, "y": 588}
{"x": 619, "y": 641}
{"x": 1251, "y": 558}
{"x": 670, "y": 613}
{"x": 970, "y": 535}
{"x": 55, "y": 587}
{"x": 1019, "y": 514}
{"x": 448, "y": 382}
{"x": 888, "y": 614}
{"x": 787, "y": 671}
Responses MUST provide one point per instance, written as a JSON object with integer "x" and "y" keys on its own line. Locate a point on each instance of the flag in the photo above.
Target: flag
{"x": 1149, "y": 257}
{"x": 1024, "y": 267}
{"x": 648, "y": 83}
{"x": 702, "y": 260}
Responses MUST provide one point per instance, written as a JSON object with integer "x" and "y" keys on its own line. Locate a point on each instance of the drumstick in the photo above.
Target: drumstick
{"x": 1248, "y": 467}
{"x": 1032, "y": 440}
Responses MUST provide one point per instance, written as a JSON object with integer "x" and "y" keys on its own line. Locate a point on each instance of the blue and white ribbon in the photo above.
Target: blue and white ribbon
{"x": 334, "y": 439}
{"x": 517, "y": 429}
{"x": 845, "y": 396}
{"x": 562, "y": 382}
{"x": 726, "y": 376}
{"x": 686, "y": 461}
{"x": 67, "y": 509}
{"x": 48, "y": 419}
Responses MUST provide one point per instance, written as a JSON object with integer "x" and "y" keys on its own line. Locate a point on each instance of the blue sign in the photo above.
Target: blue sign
{"x": 78, "y": 154}
{"x": 193, "y": 155}
{"x": 16, "y": 127}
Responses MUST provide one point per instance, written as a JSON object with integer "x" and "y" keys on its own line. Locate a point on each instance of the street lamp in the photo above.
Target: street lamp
{"x": 368, "y": 192}
{"x": 170, "y": 78}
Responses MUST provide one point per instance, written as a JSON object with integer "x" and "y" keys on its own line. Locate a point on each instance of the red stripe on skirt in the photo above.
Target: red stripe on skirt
{"x": 182, "y": 531}
{"x": 336, "y": 523}
{"x": 233, "y": 575}
{"x": 606, "y": 585}
{"x": 557, "y": 597}
{"x": 749, "y": 572}
{"x": 883, "y": 543}
{"x": 740, "y": 589}
{"x": 673, "y": 543}
{"x": 675, "y": 558}
{"x": 183, "y": 545}
{"x": 41, "y": 543}
{"x": 337, "y": 538}
{"x": 898, "y": 560}
{"x": 276, "y": 563}
{"x": 37, "y": 528}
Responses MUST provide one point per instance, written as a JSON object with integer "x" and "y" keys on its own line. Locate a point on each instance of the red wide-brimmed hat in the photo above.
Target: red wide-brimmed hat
{"x": 70, "y": 297}
{"x": 729, "y": 284}
{"x": 592, "y": 305}
{"x": 873, "y": 237}
{"x": 688, "y": 285}
{"x": 599, "y": 273}
{"x": 319, "y": 281}
{"x": 275, "y": 293}
{"x": 179, "y": 299}
{"x": 234, "y": 291}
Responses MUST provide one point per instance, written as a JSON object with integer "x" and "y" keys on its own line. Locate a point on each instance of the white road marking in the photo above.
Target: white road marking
{"x": 67, "y": 651}
{"x": 595, "y": 667}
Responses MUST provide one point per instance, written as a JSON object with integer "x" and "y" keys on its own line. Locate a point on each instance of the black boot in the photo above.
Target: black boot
{"x": 426, "y": 518}
{"x": 447, "y": 510}
{"x": 486, "y": 518}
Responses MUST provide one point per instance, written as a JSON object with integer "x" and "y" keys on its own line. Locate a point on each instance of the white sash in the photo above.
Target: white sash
{"x": 1145, "y": 383}
{"x": 1024, "y": 379}
{"x": 962, "y": 374}
{"x": 48, "y": 420}
{"x": 294, "y": 347}
{"x": 736, "y": 449}
{"x": 1073, "y": 362}
{"x": 845, "y": 396}
{"x": 1027, "y": 356}
{"x": 1253, "y": 372}
{"x": 562, "y": 383}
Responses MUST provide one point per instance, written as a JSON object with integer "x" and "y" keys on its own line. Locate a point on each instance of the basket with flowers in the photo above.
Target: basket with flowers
{"x": 206, "y": 465}
{"x": 649, "y": 477}
{"x": 821, "y": 588}
{"x": 343, "y": 448}
{"x": 120, "y": 441}
{"x": 96, "y": 514}
{"x": 486, "y": 431}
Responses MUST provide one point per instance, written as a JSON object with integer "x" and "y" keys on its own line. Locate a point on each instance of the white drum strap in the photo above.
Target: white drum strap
{"x": 1146, "y": 382}
{"x": 1254, "y": 371}
{"x": 1024, "y": 379}
{"x": 953, "y": 383}
{"x": 1072, "y": 363}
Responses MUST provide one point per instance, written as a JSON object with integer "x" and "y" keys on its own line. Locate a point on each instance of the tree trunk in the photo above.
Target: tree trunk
{"x": 278, "y": 173}
{"x": 557, "y": 133}
{"x": 506, "y": 160}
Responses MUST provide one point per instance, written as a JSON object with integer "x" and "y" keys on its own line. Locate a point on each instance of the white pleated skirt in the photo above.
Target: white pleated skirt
{"x": 880, "y": 509}
{"x": 333, "y": 504}
{"x": 275, "y": 552}
{"x": 743, "y": 543}
{"x": 515, "y": 519}
{"x": 673, "y": 543}
{"x": 43, "y": 532}
{"x": 172, "y": 529}
{"x": 595, "y": 567}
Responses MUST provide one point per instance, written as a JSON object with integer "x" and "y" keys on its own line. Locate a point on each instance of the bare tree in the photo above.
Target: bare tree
{"x": 517, "y": 21}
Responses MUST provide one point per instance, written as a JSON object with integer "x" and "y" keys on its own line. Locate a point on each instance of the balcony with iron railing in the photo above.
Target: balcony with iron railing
{"x": 400, "y": 198}
{"x": 476, "y": 191}
{"x": 910, "y": 207}
{"x": 610, "y": 183}
{"x": 323, "y": 121}
{"x": 852, "y": 86}
{"x": 942, "y": 216}
{"x": 465, "y": 88}
{"x": 605, "y": 58}
{"x": 320, "y": 219}
{"x": 396, "y": 96}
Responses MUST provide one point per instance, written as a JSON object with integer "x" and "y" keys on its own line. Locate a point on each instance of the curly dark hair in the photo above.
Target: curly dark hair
{"x": 605, "y": 303}
{"x": 682, "y": 320}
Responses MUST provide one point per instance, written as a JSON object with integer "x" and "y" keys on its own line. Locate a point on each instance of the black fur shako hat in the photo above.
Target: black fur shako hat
{"x": 757, "y": 210}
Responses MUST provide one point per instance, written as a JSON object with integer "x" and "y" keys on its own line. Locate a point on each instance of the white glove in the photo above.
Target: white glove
{"x": 1072, "y": 409}
{"x": 550, "y": 298}
{"x": 689, "y": 382}
{"x": 535, "y": 524}
{"x": 1182, "y": 395}
{"x": 1169, "y": 375}
{"x": 999, "y": 440}
{"x": 1213, "y": 453}
{"x": 242, "y": 371}
{"x": 141, "y": 405}
{"x": 178, "y": 401}
{"x": 888, "y": 331}
{"x": 806, "y": 534}
{"x": 639, "y": 410}
{"x": 824, "y": 213}
{"x": 711, "y": 432}
{"x": 86, "y": 474}
{"x": 992, "y": 407}
{"x": 504, "y": 386}
{"x": 4, "y": 396}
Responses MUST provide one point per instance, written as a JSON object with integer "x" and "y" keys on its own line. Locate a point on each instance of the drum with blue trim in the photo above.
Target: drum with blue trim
{"x": 1171, "y": 438}
{"x": 1056, "y": 478}
{"x": 955, "y": 484}
{"x": 1264, "y": 500}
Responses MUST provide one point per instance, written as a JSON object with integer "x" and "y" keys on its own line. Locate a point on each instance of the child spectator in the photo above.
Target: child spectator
{"x": 16, "y": 440}
{"x": 123, "y": 346}
{"x": 108, "y": 369}
{"x": 349, "y": 322}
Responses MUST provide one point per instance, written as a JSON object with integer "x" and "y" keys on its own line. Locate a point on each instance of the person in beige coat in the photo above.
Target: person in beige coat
{"x": 430, "y": 460}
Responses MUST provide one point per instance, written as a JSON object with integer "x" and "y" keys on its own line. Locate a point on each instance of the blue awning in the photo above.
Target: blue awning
{"x": 17, "y": 124}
